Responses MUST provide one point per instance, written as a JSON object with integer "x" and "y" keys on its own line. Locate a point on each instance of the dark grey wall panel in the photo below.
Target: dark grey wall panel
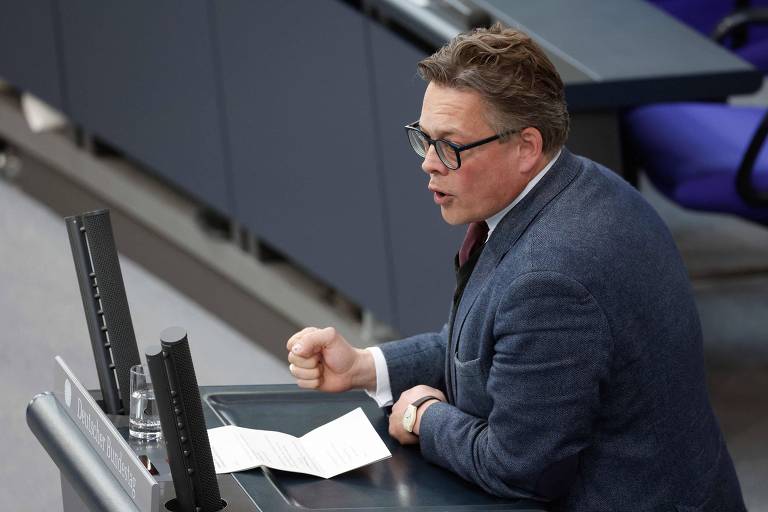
{"x": 423, "y": 245}
{"x": 301, "y": 131}
{"x": 28, "y": 57}
{"x": 141, "y": 75}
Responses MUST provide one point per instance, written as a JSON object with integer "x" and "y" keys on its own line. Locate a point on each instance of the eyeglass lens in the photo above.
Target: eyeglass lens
{"x": 420, "y": 144}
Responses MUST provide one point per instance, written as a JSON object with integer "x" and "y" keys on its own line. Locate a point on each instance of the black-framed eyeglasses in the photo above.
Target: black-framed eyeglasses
{"x": 448, "y": 152}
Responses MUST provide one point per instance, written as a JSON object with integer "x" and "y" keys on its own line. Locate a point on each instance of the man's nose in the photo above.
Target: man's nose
{"x": 432, "y": 163}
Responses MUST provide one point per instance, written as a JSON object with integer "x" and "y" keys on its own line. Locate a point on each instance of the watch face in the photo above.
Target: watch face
{"x": 409, "y": 418}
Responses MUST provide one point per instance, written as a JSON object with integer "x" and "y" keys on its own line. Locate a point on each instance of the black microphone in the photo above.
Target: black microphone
{"x": 106, "y": 307}
{"x": 183, "y": 424}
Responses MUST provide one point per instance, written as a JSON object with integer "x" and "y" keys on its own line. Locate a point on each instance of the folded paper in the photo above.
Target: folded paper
{"x": 344, "y": 444}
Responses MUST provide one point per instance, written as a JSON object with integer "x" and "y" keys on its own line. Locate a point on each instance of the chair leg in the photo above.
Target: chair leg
{"x": 629, "y": 163}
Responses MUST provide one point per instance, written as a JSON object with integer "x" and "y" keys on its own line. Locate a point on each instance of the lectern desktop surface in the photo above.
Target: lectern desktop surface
{"x": 404, "y": 482}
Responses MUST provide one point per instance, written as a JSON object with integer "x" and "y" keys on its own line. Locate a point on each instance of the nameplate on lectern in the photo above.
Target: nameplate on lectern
{"x": 104, "y": 437}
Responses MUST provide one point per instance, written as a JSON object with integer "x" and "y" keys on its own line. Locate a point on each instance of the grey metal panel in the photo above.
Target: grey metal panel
{"x": 426, "y": 20}
{"x": 141, "y": 75}
{"x": 626, "y": 52}
{"x": 28, "y": 57}
{"x": 423, "y": 245}
{"x": 626, "y": 38}
{"x": 301, "y": 129}
{"x": 75, "y": 458}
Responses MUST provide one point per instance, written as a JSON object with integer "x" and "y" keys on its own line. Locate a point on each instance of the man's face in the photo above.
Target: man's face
{"x": 489, "y": 177}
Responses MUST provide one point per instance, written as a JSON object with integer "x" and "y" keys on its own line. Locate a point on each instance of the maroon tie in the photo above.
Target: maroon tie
{"x": 477, "y": 232}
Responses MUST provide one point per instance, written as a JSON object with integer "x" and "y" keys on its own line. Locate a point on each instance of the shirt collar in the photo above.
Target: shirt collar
{"x": 494, "y": 220}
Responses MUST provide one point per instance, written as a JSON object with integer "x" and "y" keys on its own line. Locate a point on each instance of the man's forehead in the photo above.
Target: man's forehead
{"x": 447, "y": 111}
{"x": 437, "y": 129}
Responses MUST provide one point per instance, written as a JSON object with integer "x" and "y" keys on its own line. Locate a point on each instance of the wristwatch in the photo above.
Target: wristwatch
{"x": 409, "y": 417}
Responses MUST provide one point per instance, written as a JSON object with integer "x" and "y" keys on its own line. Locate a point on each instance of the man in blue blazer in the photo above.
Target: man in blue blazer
{"x": 571, "y": 367}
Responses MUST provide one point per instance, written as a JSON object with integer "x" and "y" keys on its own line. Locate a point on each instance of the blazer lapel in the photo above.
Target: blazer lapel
{"x": 506, "y": 234}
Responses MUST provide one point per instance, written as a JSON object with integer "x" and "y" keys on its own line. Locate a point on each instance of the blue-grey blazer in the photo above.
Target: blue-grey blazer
{"x": 575, "y": 371}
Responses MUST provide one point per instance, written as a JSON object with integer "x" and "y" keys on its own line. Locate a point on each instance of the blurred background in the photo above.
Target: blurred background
{"x": 253, "y": 158}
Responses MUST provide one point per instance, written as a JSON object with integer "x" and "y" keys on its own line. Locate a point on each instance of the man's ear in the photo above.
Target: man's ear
{"x": 530, "y": 149}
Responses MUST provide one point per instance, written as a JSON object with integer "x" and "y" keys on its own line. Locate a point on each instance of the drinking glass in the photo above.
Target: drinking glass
{"x": 144, "y": 420}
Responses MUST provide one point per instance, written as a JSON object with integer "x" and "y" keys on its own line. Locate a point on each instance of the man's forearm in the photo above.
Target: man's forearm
{"x": 416, "y": 360}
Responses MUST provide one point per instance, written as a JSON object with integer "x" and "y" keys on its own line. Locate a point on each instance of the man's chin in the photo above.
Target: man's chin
{"x": 451, "y": 217}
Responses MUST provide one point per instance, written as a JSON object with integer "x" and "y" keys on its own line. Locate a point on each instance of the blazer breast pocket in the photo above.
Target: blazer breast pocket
{"x": 471, "y": 380}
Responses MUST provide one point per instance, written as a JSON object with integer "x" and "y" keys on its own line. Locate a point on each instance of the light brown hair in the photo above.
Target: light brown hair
{"x": 511, "y": 73}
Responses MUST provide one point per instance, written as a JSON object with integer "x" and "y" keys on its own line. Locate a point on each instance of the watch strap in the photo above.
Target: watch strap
{"x": 423, "y": 399}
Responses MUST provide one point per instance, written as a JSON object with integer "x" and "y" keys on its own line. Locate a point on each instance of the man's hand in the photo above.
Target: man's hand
{"x": 409, "y": 396}
{"x": 322, "y": 359}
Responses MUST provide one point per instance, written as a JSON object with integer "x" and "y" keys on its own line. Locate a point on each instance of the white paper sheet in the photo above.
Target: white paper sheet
{"x": 344, "y": 444}
{"x": 39, "y": 115}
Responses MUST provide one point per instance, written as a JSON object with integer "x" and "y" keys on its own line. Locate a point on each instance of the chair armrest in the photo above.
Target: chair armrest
{"x": 744, "y": 184}
{"x": 738, "y": 20}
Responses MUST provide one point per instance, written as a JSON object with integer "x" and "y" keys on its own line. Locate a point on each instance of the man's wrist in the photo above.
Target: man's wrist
{"x": 365, "y": 371}
{"x": 420, "y": 412}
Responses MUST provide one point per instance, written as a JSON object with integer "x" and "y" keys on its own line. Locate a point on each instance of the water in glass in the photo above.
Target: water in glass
{"x": 143, "y": 420}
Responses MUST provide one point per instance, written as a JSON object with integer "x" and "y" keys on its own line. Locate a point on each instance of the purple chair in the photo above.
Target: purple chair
{"x": 704, "y": 156}
{"x": 707, "y": 156}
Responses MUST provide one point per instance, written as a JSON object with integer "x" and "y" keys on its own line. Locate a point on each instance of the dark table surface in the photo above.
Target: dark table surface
{"x": 404, "y": 482}
{"x": 611, "y": 54}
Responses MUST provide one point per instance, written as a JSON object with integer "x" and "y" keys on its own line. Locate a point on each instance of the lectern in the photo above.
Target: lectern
{"x": 89, "y": 480}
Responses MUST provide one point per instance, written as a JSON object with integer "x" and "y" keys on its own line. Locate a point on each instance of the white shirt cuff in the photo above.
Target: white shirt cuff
{"x": 383, "y": 393}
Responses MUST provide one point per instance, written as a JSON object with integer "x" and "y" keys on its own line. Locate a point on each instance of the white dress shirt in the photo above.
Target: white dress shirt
{"x": 383, "y": 393}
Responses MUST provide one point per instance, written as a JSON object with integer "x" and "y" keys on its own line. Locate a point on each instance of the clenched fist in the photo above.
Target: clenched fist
{"x": 322, "y": 359}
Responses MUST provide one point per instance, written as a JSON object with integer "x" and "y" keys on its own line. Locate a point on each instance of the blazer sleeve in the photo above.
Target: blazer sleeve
{"x": 416, "y": 360}
{"x": 552, "y": 346}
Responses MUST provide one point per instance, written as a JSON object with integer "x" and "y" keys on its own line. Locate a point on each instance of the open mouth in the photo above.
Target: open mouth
{"x": 441, "y": 198}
